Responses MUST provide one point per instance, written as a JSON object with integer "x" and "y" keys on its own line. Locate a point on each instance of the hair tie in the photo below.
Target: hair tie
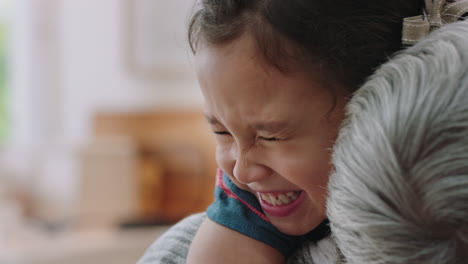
{"x": 435, "y": 14}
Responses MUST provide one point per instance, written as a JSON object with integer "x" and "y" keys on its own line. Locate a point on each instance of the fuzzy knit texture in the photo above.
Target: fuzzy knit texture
{"x": 399, "y": 193}
{"x": 173, "y": 246}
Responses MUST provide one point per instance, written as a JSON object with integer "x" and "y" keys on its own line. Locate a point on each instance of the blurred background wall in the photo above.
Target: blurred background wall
{"x": 102, "y": 122}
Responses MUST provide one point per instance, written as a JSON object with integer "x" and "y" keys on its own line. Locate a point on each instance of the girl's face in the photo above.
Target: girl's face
{"x": 273, "y": 136}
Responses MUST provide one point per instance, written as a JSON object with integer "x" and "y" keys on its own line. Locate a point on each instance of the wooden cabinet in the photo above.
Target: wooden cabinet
{"x": 175, "y": 160}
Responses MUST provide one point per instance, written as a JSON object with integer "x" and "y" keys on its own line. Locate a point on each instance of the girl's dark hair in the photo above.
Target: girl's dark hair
{"x": 346, "y": 39}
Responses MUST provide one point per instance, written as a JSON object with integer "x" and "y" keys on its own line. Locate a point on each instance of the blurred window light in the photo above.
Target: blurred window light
{"x": 4, "y": 117}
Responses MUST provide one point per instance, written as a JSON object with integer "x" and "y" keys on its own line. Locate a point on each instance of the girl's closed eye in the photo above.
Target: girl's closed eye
{"x": 269, "y": 138}
{"x": 222, "y": 133}
{"x": 226, "y": 133}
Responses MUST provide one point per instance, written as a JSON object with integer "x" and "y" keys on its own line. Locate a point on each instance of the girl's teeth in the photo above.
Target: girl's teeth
{"x": 272, "y": 198}
{"x": 279, "y": 199}
{"x": 266, "y": 198}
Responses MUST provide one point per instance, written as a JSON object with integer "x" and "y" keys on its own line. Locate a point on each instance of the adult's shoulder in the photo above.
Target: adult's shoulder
{"x": 172, "y": 247}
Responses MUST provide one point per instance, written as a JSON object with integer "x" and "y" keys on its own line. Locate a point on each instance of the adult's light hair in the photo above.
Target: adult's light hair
{"x": 399, "y": 193}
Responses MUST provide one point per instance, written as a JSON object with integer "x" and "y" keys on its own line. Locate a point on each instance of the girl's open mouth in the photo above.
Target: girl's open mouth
{"x": 280, "y": 204}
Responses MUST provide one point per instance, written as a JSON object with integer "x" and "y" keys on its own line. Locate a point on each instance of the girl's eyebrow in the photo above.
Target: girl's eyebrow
{"x": 267, "y": 126}
{"x": 271, "y": 126}
{"x": 211, "y": 119}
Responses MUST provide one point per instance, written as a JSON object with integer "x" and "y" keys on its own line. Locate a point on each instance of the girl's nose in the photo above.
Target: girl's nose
{"x": 248, "y": 170}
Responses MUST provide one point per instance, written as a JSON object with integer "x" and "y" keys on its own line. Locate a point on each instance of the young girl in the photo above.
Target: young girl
{"x": 276, "y": 76}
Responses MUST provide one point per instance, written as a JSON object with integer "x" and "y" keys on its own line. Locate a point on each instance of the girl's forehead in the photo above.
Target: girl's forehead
{"x": 238, "y": 64}
{"x": 237, "y": 84}
{"x": 246, "y": 61}
{"x": 237, "y": 56}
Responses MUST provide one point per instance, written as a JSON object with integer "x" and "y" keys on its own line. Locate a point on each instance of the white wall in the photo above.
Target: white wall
{"x": 67, "y": 62}
{"x": 96, "y": 75}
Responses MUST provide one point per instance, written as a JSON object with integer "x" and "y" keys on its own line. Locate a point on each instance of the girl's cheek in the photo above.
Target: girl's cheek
{"x": 224, "y": 159}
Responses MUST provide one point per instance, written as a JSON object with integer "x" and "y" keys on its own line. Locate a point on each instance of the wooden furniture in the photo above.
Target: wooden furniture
{"x": 176, "y": 160}
{"x": 78, "y": 246}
